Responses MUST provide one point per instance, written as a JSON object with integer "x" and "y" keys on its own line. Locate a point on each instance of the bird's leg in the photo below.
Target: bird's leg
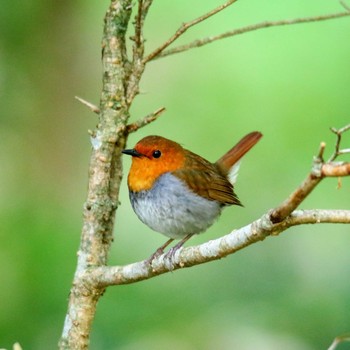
{"x": 170, "y": 254}
{"x": 159, "y": 251}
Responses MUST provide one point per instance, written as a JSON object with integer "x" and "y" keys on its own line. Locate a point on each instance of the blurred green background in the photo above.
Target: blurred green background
{"x": 291, "y": 83}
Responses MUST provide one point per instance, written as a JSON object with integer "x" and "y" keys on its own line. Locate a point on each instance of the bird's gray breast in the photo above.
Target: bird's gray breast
{"x": 171, "y": 208}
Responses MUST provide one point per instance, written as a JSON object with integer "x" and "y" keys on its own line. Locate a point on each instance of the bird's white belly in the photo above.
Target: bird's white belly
{"x": 172, "y": 209}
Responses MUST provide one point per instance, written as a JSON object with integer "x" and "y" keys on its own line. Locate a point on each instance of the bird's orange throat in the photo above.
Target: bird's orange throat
{"x": 144, "y": 171}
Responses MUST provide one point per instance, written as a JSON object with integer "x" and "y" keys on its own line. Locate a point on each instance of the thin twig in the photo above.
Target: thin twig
{"x": 138, "y": 65}
{"x": 321, "y": 151}
{"x": 338, "y": 133}
{"x": 91, "y": 106}
{"x": 344, "y": 151}
{"x": 184, "y": 27}
{"x": 293, "y": 201}
{"x": 145, "y": 7}
{"x": 142, "y": 10}
{"x": 336, "y": 151}
{"x": 344, "y": 129}
{"x": 345, "y": 5}
{"x": 249, "y": 28}
{"x": 138, "y": 24}
{"x": 145, "y": 120}
{"x": 338, "y": 340}
{"x": 320, "y": 170}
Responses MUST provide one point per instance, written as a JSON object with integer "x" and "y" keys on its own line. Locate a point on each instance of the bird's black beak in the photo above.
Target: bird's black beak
{"x": 132, "y": 152}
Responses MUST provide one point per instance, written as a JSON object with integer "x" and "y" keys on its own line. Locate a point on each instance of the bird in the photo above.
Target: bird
{"x": 178, "y": 193}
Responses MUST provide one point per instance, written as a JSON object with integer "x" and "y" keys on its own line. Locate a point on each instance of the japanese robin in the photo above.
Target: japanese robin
{"x": 177, "y": 192}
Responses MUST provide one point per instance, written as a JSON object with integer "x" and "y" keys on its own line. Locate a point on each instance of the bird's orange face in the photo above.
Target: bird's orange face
{"x": 152, "y": 157}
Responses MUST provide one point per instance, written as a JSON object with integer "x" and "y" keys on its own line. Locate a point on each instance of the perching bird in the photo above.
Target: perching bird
{"x": 178, "y": 193}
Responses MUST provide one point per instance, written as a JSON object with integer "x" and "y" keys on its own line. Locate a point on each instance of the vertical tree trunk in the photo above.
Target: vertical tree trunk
{"x": 105, "y": 174}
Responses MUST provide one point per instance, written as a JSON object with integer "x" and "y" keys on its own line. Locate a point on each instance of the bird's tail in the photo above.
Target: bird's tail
{"x": 230, "y": 161}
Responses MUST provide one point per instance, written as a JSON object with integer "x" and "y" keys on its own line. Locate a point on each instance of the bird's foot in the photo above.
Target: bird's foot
{"x": 158, "y": 252}
{"x": 170, "y": 255}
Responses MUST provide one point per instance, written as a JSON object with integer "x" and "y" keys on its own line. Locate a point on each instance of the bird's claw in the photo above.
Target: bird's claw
{"x": 156, "y": 254}
{"x": 169, "y": 258}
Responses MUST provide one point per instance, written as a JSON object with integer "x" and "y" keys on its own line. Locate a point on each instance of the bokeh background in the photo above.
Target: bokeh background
{"x": 292, "y": 83}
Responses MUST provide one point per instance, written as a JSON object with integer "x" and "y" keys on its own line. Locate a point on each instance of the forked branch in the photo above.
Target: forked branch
{"x": 338, "y": 151}
{"x": 184, "y": 27}
{"x": 319, "y": 171}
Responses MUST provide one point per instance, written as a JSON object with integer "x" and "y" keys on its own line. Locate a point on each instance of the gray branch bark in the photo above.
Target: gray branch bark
{"x": 213, "y": 250}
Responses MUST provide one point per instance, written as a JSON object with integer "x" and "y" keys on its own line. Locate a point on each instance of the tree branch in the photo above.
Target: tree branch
{"x": 105, "y": 174}
{"x": 145, "y": 120}
{"x": 138, "y": 25}
{"x": 319, "y": 171}
{"x": 249, "y": 28}
{"x": 138, "y": 65}
{"x": 213, "y": 250}
{"x": 184, "y": 28}
{"x": 142, "y": 11}
{"x": 336, "y": 170}
{"x": 293, "y": 201}
{"x": 339, "y": 133}
{"x": 89, "y": 105}
{"x": 340, "y": 339}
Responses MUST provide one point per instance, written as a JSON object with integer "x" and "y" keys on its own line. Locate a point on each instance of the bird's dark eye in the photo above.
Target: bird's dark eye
{"x": 157, "y": 154}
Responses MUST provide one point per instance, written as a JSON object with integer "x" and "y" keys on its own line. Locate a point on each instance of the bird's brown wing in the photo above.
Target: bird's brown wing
{"x": 205, "y": 179}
